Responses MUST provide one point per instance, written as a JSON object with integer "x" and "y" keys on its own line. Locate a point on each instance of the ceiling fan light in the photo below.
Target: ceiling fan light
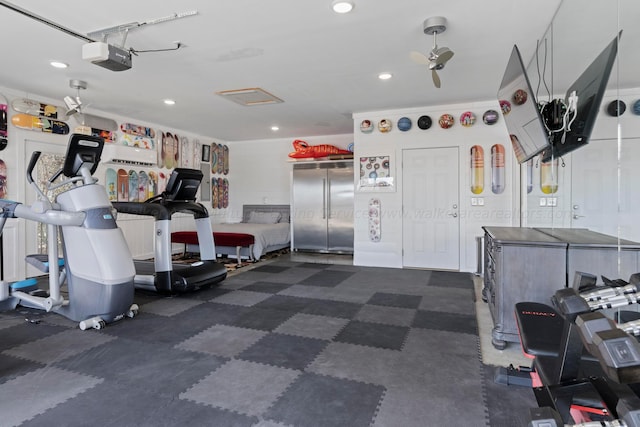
{"x": 385, "y": 76}
{"x": 342, "y": 6}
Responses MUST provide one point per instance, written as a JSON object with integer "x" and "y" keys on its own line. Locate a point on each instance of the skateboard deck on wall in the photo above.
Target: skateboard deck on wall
{"x": 137, "y": 130}
{"x": 225, "y": 193}
{"x": 374, "y": 220}
{"x": 133, "y": 186}
{"x": 3, "y": 179}
{"x": 137, "y": 141}
{"x": 3, "y": 126}
{"x": 220, "y": 159}
{"x": 214, "y": 193}
{"x": 497, "y": 168}
{"x": 477, "y": 169}
{"x": 153, "y": 184}
{"x": 25, "y": 121}
{"x": 162, "y": 182}
{"x": 225, "y": 166}
{"x": 143, "y": 186}
{"x": 123, "y": 185}
{"x": 108, "y": 136}
{"x": 214, "y": 158}
{"x": 111, "y": 184}
{"x": 220, "y": 193}
{"x": 35, "y": 108}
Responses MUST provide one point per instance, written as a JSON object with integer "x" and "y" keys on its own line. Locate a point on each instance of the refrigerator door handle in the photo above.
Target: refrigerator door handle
{"x": 328, "y": 199}
{"x": 324, "y": 198}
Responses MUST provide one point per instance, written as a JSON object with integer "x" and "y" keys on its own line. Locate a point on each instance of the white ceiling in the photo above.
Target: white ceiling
{"x": 323, "y": 65}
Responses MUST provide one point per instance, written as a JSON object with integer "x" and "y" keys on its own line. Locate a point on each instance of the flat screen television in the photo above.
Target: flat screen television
{"x": 589, "y": 88}
{"x": 521, "y": 114}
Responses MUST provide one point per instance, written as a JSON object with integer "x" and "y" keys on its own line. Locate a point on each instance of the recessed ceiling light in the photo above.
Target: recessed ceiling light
{"x": 342, "y": 6}
{"x": 385, "y": 76}
{"x": 275, "y": 128}
{"x": 58, "y": 64}
{"x": 169, "y": 102}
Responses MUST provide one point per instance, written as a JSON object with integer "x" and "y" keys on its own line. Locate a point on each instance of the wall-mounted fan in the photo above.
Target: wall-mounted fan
{"x": 438, "y": 56}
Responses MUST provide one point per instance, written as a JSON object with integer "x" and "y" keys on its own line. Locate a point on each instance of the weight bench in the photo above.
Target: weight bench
{"x": 221, "y": 239}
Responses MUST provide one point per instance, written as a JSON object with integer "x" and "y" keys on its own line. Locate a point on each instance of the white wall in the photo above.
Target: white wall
{"x": 138, "y": 231}
{"x": 497, "y": 209}
{"x": 260, "y": 171}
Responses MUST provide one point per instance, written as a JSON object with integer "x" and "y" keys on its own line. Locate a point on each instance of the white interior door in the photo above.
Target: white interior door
{"x": 431, "y": 222}
{"x": 598, "y": 202}
{"x": 34, "y": 244}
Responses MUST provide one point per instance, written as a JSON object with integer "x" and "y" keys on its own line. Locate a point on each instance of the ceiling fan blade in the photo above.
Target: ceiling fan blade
{"x": 443, "y": 55}
{"x": 436, "y": 79}
{"x": 419, "y": 58}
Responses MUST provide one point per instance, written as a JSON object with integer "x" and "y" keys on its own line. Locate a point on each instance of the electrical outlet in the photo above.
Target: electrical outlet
{"x": 480, "y": 201}
{"x": 543, "y": 201}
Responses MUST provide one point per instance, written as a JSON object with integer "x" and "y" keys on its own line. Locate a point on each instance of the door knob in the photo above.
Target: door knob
{"x": 576, "y": 216}
{"x": 455, "y": 215}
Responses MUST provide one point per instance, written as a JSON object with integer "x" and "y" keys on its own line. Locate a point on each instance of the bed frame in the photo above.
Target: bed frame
{"x": 285, "y": 211}
{"x": 245, "y": 251}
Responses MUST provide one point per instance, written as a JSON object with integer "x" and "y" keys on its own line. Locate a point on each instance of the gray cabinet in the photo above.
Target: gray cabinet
{"x": 520, "y": 264}
{"x": 597, "y": 253}
{"x": 530, "y": 264}
{"x": 323, "y": 207}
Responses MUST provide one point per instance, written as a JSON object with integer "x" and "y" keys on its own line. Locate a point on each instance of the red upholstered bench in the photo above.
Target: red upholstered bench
{"x": 237, "y": 240}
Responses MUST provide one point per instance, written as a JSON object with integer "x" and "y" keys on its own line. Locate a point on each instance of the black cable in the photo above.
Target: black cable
{"x": 136, "y": 52}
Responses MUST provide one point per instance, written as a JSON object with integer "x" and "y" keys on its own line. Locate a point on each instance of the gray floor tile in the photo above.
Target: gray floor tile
{"x": 312, "y": 326}
{"x": 222, "y": 340}
{"x": 242, "y": 386}
{"x": 386, "y": 315}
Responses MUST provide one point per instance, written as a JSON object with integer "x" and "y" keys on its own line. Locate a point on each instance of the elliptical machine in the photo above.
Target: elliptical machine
{"x": 97, "y": 265}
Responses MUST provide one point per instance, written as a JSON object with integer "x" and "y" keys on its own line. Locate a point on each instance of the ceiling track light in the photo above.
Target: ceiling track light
{"x": 342, "y": 6}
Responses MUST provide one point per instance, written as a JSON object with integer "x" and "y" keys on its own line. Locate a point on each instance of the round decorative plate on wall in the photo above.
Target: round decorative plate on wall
{"x": 446, "y": 121}
{"x": 404, "y": 124}
{"x": 467, "y": 119}
{"x": 366, "y": 126}
{"x": 490, "y": 117}
{"x": 424, "y": 122}
{"x": 384, "y": 125}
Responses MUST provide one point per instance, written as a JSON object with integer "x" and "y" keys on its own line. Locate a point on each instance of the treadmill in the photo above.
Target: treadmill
{"x": 161, "y": 274}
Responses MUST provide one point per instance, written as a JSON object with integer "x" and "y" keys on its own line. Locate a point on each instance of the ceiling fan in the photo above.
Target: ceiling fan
{"x": 74, "y": 105}
{"x": 438, "y": 57}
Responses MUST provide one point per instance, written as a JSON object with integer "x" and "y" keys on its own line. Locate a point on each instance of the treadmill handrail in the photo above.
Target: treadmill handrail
{"x": 198, "y": 210}
{"x": 159, "y": 212}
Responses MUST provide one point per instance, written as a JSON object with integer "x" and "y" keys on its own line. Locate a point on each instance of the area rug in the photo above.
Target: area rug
{"x": 282, "y": 344}
{"x": 231, "y": 264}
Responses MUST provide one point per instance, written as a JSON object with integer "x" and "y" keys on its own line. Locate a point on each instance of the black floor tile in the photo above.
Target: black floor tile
{"x": 327, "y": 278}
{"x": 267, "y": 287}
{"x": 263, "y": 319}
{"x": 144, "y": 366}
{"x": 269, "y": 268}
{"x": 395, "y": 300}
{"x": 465, "y": 323}
{"x": 285, "y": 303}
{"x": 342, "y": 309}
{"x": 451, "y": 279}
{"x": 285, "y": 351}
{"x": 373, "y": 335}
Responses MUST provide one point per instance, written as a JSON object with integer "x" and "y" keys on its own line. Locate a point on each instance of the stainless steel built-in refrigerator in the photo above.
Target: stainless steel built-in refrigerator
{"x": 322, "y": 213}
